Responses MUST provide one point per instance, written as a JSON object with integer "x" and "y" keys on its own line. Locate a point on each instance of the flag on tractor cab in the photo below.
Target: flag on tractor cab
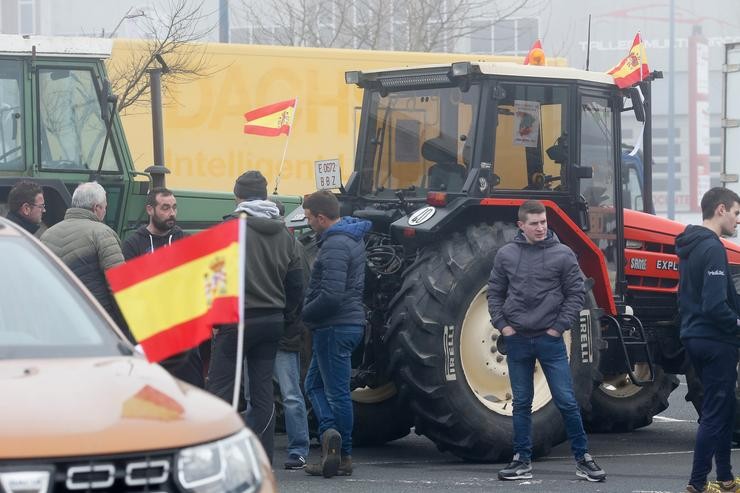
{"x": 633, "y": 68}
{"x": 271, "y": 120}
{"x": 536, "y": 55}
{"x": 172, "y": 297}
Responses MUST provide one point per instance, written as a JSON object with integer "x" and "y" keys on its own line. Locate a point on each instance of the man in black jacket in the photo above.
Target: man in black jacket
{"x": 161, "y": 231}
{"x": 535, "y": 294}
{"x": 273, "y": 286}
{"x": 710, "y": 331}
{"x": 335, "y": 313}
{"x": 26, "y": 204}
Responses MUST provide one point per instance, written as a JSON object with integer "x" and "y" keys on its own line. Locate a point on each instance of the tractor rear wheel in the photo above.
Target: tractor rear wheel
{"x": 457, "y": 380}
{"x": 618, "y": 405}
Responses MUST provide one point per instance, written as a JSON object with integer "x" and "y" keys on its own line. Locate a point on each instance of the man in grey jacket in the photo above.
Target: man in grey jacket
{"x": 87, "y": 245}
{"x": 535, "y": 293}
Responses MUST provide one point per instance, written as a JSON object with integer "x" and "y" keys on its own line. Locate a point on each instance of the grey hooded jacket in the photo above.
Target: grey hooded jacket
{"x": 535, "y": 287}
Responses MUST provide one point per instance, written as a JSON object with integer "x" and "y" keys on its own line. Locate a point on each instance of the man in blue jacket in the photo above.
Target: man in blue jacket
{"x": 710, "y": 331}
{"x": 334, "y": 312}
{"x": 535, "y": 293}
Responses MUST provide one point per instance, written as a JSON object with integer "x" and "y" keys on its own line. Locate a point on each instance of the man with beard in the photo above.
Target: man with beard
{"x": 162, "y": 230}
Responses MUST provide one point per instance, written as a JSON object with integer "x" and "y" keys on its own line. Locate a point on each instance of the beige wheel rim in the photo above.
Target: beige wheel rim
{"x": 485, "y": 369}
{"x": 366, "y": 395}
{"x": 621, "y": 386}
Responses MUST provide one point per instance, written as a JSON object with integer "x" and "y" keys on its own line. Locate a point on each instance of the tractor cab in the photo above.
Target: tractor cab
{"x": 454, "y": 137}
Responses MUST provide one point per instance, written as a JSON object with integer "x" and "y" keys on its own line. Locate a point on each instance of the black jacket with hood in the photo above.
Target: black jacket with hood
{"x": 274, "y": 273}
{"x": 535, "y": 286}
{"x": 707, "y": 300}
{"x": 23, "y": 222}
{"x": 142, "y": 241}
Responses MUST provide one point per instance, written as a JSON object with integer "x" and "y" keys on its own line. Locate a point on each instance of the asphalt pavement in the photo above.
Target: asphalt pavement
{"x": 654, "y": 459}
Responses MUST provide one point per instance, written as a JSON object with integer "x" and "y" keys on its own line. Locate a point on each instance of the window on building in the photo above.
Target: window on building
{"x": 506, "y": 37}
{"x": 26, "y": 16}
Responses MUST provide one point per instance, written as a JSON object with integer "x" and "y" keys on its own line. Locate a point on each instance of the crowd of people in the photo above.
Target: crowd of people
{"x": 285, "y": 295}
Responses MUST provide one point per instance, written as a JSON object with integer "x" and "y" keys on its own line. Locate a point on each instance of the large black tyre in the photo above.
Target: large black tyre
{"x": 617, "y": 405}
{"x": 456, "y": 380}
{"x": 380, "y": 416}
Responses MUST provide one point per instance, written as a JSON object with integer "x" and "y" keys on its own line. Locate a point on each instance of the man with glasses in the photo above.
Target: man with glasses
{"x": 26, "y": 205}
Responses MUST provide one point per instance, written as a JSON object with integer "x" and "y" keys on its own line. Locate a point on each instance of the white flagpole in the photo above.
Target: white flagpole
{"x": 240, "y": 328}
{"x": 285, "y": 147}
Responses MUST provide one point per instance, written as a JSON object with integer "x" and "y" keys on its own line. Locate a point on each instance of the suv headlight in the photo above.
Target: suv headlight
{"x": 230, "y": 465}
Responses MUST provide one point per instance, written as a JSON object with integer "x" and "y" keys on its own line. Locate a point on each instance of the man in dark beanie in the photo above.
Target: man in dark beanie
{"x": 251, "y": 185}
{"x": 272, "y": 288}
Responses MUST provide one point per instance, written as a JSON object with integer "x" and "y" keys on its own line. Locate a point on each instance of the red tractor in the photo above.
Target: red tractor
{"x": 445, "y": 156}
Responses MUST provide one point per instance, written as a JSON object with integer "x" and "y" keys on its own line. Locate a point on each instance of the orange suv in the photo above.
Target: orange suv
{"x": 79, "y": 410}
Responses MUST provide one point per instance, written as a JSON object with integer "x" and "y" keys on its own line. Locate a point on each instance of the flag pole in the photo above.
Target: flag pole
{"x": 240, "y": 327}
{"x": 285, "y": 147}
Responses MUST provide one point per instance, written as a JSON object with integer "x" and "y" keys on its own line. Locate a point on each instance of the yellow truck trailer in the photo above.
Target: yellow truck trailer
{"x": 205, "y": 146}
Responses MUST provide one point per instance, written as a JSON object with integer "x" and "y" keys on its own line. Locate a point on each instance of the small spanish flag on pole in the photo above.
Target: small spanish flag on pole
{"x": 633, "y": 68}
{"x": 172, "y": 297}
{"x": 271, "y": 120}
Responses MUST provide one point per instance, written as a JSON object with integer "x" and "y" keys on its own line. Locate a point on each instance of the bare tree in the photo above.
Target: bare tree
{"x": 169, "y": 32}
{"x": 413, "y": 25}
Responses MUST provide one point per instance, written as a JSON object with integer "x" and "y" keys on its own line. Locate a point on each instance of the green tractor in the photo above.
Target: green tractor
{"x": 59, "y": 128}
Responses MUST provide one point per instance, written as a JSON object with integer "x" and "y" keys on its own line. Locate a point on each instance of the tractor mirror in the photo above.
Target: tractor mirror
{"x": 104, "y": 108}
{"x": 638, "y": 105}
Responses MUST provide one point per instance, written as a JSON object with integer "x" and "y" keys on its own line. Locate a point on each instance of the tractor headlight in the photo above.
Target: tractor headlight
{"x": 230, "y": 465}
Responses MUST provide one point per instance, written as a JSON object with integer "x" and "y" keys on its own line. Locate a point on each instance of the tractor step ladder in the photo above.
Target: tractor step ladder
{"x": 637, "y": 334}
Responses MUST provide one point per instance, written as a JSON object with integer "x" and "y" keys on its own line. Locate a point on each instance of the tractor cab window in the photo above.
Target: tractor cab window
{"x": 71, "y": 129}
{"x": 598, "y": 152}
{"x": 11, "y": 111}
{"x": 416, "y": 141}
{"x": 531, "y": 137}
{"x": 631, "y": 182}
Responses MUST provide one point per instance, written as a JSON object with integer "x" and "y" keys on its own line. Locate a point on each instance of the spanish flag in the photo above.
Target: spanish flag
{"x": 633, "y": 68}
{"x": 271, "y": 120}
{"x": 172, "y": 297}
{"x": 150, "y": 403}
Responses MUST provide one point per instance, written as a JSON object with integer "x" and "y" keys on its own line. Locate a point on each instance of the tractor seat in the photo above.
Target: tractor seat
{"x": 445, "y": 173}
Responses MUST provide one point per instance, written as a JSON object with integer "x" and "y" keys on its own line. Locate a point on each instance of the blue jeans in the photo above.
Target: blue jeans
{"x": 288, "y": 374}
{"x": 716, "y": 366}
{"x": 327, "y": 380}
{"x": 551, "y": 353}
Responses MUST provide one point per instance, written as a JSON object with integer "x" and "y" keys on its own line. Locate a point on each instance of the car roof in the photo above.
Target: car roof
{"x": 9, "y": 228}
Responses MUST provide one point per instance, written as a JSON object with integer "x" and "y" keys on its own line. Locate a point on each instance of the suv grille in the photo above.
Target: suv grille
{"x": 150, "y": 473}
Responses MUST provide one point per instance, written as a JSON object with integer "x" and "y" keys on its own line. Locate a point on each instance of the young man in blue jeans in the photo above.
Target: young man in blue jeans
{"x": 334, "y": 312}
{"x": 710, "y": 331}
{"x": 535, "y": 293}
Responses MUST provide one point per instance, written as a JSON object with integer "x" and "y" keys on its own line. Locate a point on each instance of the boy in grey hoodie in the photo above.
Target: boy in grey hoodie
{"x": 535, "y": 293}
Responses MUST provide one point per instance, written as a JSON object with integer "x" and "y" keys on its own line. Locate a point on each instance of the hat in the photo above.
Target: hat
{"x": 251, "y": 185}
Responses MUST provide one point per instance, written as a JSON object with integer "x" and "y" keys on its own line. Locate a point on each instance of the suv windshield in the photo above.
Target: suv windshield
{"x": 415, "y": 140}
{"x": 43, "y": 314}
